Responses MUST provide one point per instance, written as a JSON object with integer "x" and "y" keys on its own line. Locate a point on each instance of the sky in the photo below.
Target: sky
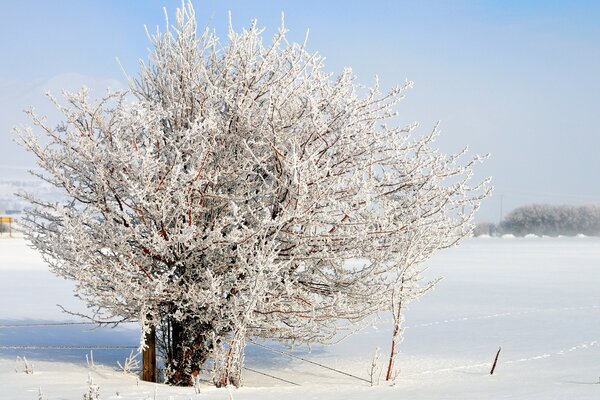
{"x": 516, "y": 79}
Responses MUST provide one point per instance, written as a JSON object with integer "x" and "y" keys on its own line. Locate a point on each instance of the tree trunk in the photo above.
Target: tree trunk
{"x": 187, "y": 350}
{"x": 177, "y": 363}
{"x": 149, "y": 356}
{"x": 228, "y": 363}
{"x": 393, "y": 353}
{"x": 397, "y": 333}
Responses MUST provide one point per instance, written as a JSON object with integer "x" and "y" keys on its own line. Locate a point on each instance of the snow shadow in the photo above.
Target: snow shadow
{"x": 46, "y": 340}
{"x": 259, "y": 356}
{"x": 43, "y": 341}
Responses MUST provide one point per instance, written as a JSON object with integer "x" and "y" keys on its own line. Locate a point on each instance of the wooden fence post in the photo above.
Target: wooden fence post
{"x": 149, "y": 357}
{"x": 495, "y": 361}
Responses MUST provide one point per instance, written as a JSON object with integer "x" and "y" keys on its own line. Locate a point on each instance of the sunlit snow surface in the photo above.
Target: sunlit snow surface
{"x": 538, "y": 298}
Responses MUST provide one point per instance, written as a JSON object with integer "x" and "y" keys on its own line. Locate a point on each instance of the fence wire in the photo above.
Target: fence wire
{"x": 118, "y": 347}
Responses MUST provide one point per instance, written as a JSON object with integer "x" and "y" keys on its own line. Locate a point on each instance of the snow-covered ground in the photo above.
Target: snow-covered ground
{"x": 538, "y": 298}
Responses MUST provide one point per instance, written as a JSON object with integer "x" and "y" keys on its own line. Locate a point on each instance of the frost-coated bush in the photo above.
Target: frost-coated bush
{"x": 93, "y": 390}
{"x": 225, "y": 200}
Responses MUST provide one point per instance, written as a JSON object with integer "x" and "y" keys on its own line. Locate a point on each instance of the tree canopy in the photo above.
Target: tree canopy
{"x": 238, "y": 190}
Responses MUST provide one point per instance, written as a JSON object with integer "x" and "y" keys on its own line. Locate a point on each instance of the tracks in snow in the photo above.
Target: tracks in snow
{"x": 498, "y": 315}
{"x": 581, "y": 346}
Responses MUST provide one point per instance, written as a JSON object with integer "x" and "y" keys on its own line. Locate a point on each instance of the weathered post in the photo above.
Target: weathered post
{"x": 149, "y": 357}
{"x": 495, "y": 361}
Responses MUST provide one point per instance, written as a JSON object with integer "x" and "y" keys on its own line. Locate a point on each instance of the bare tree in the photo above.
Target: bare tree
{"x": 238, "y": 190}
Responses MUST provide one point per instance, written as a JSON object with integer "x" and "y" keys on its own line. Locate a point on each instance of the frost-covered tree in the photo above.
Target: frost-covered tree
{"x": 237, "y": 190}
{"x": 553, "y": 220}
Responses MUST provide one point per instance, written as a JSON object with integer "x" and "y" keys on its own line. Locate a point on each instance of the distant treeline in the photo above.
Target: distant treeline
{"x": 546, "y": 219}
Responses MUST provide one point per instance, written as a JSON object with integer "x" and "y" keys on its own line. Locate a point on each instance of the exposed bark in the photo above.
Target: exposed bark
{"x": 228, "y": 366}
{"x": 149, "y": 357}
{"x": 396, "y": 334}
{"x": 187, "y": 350}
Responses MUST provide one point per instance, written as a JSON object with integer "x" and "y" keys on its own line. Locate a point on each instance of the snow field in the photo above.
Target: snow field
{"x": 535, "y": 297}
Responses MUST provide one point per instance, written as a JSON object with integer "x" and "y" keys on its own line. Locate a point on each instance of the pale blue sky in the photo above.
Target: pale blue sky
{"x": 518, "y": 79}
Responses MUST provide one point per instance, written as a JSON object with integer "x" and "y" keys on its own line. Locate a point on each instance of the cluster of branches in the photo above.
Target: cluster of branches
{"x": 553, "y": 220}
{"x": 237, "y": 190}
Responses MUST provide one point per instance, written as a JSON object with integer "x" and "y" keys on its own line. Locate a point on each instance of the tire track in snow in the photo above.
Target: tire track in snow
{"x": 581, "y": 346}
